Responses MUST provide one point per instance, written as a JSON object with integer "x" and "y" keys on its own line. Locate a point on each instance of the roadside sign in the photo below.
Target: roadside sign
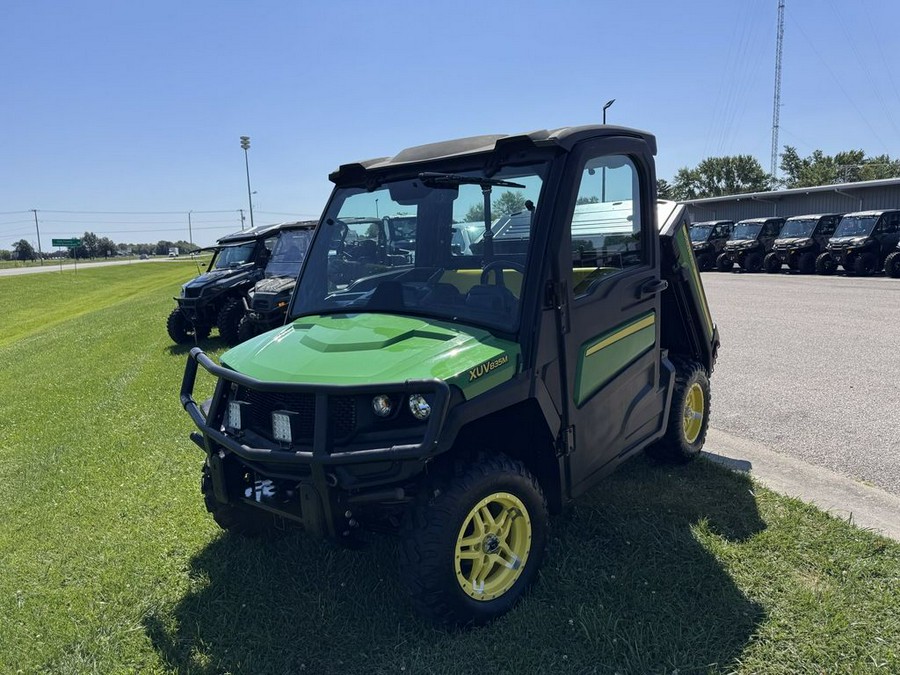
{"x": 68, "y": 243}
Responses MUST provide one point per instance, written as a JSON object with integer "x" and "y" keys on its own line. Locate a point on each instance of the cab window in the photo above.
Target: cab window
{"x": 606, "y": 221}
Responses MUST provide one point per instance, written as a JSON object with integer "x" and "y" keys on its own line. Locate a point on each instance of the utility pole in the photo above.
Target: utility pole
{"x": 245, "y": 144}
{"x": 38, "y": 228}
{"x": 776, "y": 107}
{"x": 242, "y": 219}
{"x": 190, "y": 234}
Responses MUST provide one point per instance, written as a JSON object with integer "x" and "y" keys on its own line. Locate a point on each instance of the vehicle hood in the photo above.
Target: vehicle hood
{"x": 274, "y": 285}
{"x": 213, "y": 276}
{"x": 843, "y": 241}
{"x": 740, "y": 242}
{"x": 350, "y": 349}
{"x": 788, "y": 241}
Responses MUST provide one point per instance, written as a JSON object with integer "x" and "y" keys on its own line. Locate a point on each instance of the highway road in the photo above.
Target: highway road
{"x": 809, "y": 367}
{"x": 52, "y": 266}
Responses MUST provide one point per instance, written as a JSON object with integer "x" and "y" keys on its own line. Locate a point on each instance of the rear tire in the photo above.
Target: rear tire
{"x": 753, "y": 262}
{"x": 724, "y": 263}
{"x": 825, "y": 264}
{"x": 892, "y": 265}
{"x": 473, "y": 544}
{"x": 772, "y": 263}
{"x": 688, "y": 416}
{"x": 705, "y": 262}
{"x": 865, "y": 264}
{"x": 229, "y": 318}
{"x": 183, "y": 331}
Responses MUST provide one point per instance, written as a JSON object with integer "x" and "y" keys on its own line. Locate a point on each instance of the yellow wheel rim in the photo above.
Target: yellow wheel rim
{"x": 694, "y": 406}
{"x": 493, "y": 546}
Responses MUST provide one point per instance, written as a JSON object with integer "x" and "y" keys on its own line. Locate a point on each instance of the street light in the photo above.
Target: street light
{"x": 608, "y": 103}
{"x": 245, "y": 144}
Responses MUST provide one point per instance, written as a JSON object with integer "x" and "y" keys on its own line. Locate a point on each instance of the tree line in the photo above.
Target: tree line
{"x": 93, "y": 246}
{"x": 738, "y": 174}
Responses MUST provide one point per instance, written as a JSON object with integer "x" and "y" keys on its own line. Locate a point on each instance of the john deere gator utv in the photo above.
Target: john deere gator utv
{"x": 801, "y": 240}
{"x": 708, "y": 238}
{"x": 266, "y": 303}
{"x": 861, "y": 243}
{"x": 461, "y": 396}
{"x": 752, "y": 240}
{"x": 217, "y": 297}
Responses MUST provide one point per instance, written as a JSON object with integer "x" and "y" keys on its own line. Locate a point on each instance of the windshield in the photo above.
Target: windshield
{"x": 233, "y": 256}
{"x": 798, "y": 228}
{"x": 701, "y": 232}
{"x": 417, "y": 247}
{"x": 856, "y": 226}
{"x": 288, "y": 254}
{"x": 747, "y": 230}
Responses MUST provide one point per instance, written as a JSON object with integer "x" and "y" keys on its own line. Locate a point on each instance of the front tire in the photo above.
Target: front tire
{"x": 246, "y": 521}
{"x": 688, "y": 416}
{"x": 865, "y": 264}
{"x": 825, "y": 264}
{"x": 724, "y": 263}
{"x": 473, "y": 545}
{"x": 246, "y": 329}
{"x": 229, "y": 318}
{"x": 772, "y": 263}
{"x": 182, "y": 331}
{"x": 753, "y": 262}
{"x": 705, "y": 262}
{"x": 892, "y": 265}
{"x": 806, "y": 264}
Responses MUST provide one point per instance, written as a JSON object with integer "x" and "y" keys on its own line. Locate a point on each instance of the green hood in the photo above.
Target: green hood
{"x": 370, "y": 348}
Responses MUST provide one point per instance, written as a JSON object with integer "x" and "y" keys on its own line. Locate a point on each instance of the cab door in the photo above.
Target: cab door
{"x": 609, "y": 262}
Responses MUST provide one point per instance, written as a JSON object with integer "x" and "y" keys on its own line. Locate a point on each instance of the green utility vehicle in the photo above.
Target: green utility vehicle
{"x": 752, "y": 240}
{"x": 708, "y": 238}
{"x": 217, "y": 297}
{"x": 457, "y": 395}
{"x": 861, "y": 243}
{"x": 800, "y": 242}
{"x": 267, "y": 302}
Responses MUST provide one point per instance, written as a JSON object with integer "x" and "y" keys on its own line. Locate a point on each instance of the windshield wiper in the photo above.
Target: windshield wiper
{"x": 452, "y": 179}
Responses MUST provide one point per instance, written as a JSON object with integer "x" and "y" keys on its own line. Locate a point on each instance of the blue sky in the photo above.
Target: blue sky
{"x": 138, "y": 107}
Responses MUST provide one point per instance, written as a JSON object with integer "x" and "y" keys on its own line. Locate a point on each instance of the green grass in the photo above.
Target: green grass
{"x": 108, "y": 562}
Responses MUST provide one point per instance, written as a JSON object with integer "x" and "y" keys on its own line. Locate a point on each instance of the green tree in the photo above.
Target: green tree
{"x": 663, "y": 189}
{"x": 475, "y": 214}
{"x": 508, "y": 202}
{"x": 720, "y": 176}
{"x": 23, "y": 250}
{"x": 848, "y": 166}
{"x": 588, "y": 200}
{"x": 5, "y": 255}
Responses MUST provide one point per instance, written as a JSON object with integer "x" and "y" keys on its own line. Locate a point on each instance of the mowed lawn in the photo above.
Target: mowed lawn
{"x": 109, "y": 563}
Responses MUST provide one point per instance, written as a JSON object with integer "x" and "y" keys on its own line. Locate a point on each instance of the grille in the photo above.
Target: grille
{"x": 192, "y": 292}
{"x": 342, "y": 413}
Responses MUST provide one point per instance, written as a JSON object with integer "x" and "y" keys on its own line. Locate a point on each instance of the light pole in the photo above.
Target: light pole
{"x": 190, "y": 233}
{"x": 603, "y": 170}
{"x": 245, "y": 144}
{"x": 608, "y": 103}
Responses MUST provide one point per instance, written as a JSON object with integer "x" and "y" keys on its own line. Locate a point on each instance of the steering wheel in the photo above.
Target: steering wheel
{"x": 496, "y": 266}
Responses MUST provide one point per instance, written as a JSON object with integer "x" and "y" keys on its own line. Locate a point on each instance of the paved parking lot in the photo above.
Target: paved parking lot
{"x": 810, "y": 367}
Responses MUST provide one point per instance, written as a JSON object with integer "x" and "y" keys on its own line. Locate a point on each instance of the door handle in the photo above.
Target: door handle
{"x": 652, "y": 288}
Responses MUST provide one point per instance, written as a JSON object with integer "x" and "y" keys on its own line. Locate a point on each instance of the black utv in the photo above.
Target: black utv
{"x": 216, "y": 298}
{"x": 861, "y": 243}
{"x": 752, "y": 240}
{"x": 266, "y": 303}
{"x": 460, "y": 396}
{"x": 800, "y": 242}
{"x": 708, "y": 238}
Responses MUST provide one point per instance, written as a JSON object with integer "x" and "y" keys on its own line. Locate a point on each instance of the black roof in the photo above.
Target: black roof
{"x": 564, "y": 138}
{"x": 264, "y": 231}
{"x": 711, "y": 223}
{"x": 810, "y": 216}
{"x": 759, "y": 220}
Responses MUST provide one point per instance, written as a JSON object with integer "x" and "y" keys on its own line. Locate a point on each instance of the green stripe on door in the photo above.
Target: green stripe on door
{"x": 604, "y": 356}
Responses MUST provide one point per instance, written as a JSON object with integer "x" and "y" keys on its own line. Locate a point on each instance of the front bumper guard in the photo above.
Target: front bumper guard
{"x": 323, "y": 452}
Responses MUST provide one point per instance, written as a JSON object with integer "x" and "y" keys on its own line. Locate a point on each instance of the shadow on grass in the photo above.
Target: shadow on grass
{"x": 633, "y": 582}
{"x": 207, "y": 345}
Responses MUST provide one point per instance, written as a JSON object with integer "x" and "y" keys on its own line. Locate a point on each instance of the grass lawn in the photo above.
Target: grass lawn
{"x": 109, "y": 563}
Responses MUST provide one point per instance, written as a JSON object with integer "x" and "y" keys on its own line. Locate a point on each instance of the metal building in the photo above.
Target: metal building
{"x": 838, "y": 198}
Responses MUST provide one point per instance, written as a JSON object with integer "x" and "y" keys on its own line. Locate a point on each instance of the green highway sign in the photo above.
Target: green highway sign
{"x": 68, "y": 243}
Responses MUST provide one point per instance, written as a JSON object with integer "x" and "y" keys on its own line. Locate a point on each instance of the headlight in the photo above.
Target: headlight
{"x": 183, "y": 292}
{"x": 419, "y": 407}
{"x": 382, "y": 405}
{"x": 281, "y": 425}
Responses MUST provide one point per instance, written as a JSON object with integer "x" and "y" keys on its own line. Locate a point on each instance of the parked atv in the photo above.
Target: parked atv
{"x": 459, "y": 398}
{"x": 267, "y": 301}
{"x": 752, "y": 240}
{"x": 801, "y": 240}
{"x": 216, "y": 297}
{"x": 861, "y": 243}
{"x": 708, "y": 238}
